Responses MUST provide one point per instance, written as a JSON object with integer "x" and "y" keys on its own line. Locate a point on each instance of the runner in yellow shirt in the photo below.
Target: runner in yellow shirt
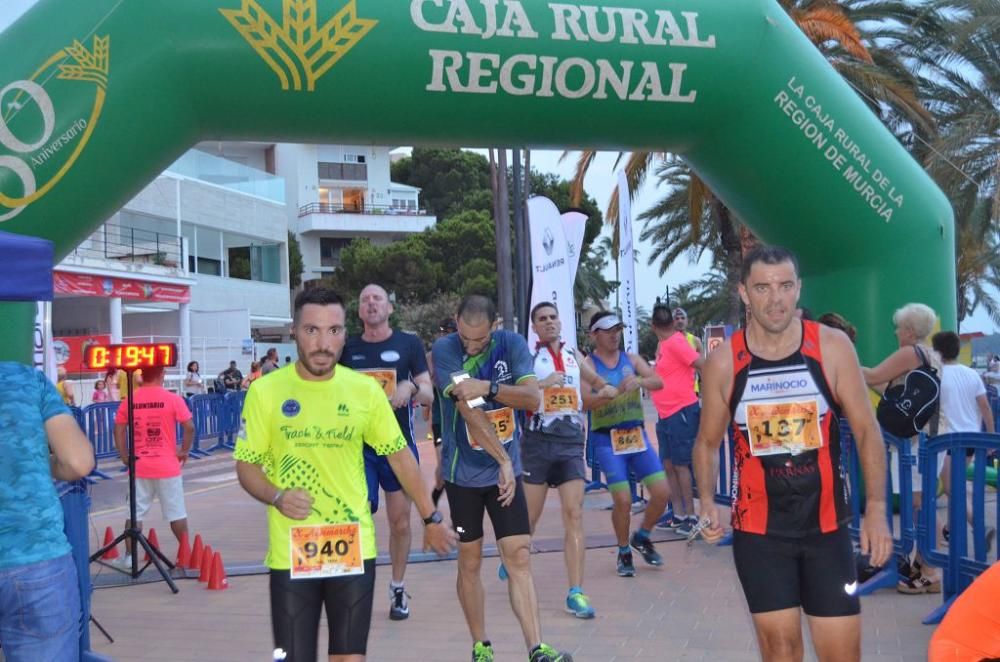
{"x": 300, "y": 452}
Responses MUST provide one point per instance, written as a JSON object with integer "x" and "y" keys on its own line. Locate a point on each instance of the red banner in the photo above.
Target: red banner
{"x": 70, "y": 350}
{"x": 84, "y": 285}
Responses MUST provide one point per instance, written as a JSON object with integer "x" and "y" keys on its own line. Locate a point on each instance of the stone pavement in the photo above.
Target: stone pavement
{"x": 691, "y": 609}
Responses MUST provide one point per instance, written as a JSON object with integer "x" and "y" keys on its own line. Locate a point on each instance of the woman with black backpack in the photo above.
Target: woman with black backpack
{"x": 909, "y": 381}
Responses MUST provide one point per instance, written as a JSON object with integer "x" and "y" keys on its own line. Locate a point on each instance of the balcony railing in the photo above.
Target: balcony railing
{"x": 126, "y": 244}
{"x": 371, "y": 210}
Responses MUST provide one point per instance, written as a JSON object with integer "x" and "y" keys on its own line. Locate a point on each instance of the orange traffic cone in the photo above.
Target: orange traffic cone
{"x": 154, "y": 542}
{"x": 218, "y": 580}
{"x": 112, "y": 553}
{"x": 206, "y": 564}
{"x": 197, "y": 551}
{"x": 183, "y": 552}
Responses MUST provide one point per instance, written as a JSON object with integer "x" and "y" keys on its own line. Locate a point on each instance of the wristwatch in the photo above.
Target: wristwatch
{"x": 494, "y": 389}
{"x": 435, "y": 518}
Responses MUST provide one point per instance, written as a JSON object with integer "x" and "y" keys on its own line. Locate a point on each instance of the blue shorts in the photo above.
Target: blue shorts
{"x": 644, "y": 465}
{"x": 378, "y": 473}
{"x": 676, "y": 434}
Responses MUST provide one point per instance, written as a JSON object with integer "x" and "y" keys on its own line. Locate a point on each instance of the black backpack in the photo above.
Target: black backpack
{"x": 908, "y": 406}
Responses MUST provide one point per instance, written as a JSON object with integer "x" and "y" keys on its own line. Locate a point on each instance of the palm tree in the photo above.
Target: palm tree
{"x": 874, "y": 71}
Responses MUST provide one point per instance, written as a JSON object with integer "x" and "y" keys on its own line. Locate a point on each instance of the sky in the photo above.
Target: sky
{"x": 601, "y": 180}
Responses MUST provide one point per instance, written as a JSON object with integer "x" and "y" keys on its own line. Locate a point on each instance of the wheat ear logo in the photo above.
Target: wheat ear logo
{"x": 297, "y": 50}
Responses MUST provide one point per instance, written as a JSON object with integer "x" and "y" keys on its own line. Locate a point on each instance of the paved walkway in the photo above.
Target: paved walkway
{"x": 691, "y": 609}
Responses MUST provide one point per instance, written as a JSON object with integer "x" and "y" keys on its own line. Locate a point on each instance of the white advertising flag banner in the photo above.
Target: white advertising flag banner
{"x": 550, "y": 267}
{"x": 626, "y": 266}
{"x": 575, "y": 226}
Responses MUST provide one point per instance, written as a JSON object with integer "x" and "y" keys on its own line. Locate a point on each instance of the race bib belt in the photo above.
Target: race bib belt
{"x": 560, "y": 400}
{"x": 503, "y": 422}
{"x": 625, "y": 441}
{"x": 386, "y": 379}
{"x": 784, "y": 427}
{"x": 326, "y": 550}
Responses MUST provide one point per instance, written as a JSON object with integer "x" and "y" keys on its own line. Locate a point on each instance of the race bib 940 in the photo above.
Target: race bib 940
{"x": 326, "y": 550}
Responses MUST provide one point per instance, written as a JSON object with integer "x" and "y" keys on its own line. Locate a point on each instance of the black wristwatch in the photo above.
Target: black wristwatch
{"x": 494, "y": 389}
{"x": 435, "y": 518}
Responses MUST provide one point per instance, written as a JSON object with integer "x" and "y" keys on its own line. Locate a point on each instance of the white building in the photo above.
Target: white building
{"x": 341, "y": 192}
{"x": 200, "y": 256}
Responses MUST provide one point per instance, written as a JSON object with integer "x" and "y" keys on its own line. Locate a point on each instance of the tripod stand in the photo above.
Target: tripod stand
{"x": 132, "y": 533}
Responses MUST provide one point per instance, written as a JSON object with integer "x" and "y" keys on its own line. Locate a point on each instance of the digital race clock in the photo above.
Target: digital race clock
{"x": 131, "y": 356}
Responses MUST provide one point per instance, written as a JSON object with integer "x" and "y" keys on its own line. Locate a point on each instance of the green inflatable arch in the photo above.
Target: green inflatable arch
{"x": 97, "y": 97}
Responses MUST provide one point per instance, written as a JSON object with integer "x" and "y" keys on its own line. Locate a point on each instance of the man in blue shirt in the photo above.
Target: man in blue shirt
{"x": 397, "y": 361}
{"x": 485, "y": 376}
{"x": 39, "y": 595}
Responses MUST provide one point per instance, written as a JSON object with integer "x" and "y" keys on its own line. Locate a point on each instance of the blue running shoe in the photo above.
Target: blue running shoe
{"x": 645, "y": 547}
{"x": 664, "y": 523}
{"x": 502, "y": 573}
{"x": 626, "y": 568}
{"x": 578, "y": 604}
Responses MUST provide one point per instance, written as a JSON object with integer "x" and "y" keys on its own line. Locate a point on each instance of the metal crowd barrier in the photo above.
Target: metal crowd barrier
{"x": 233, "y": 413}
{"x": 902, "y": 543}
{"x": 99, "y": 424}
{"x": 959, "y": 567}
{"x": 209, "y": 417}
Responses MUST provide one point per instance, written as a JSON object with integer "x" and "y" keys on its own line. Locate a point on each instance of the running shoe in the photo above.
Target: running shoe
{"x": 645, "y": 547}
{"x": 918, "y": 585}
{"x": 665, "y": 522}
{"x": 502, "y": 573}
{"x": 686, "y": 526}
{"x": 578, "y": 604}
{"x": 482, "y": 652}
{"x": 399, "y": 609}
{"x": 545, "y": 653}
{"x": 626, "y": 568}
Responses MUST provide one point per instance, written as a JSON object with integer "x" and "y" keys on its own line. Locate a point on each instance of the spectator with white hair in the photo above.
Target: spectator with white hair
{"x": 914, "y": 324}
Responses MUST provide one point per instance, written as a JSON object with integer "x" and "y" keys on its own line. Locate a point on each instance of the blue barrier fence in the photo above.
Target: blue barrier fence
{"x": 959, "y": 564}
{"x": 898, "y": 453}
{"x": 960, "y": 567}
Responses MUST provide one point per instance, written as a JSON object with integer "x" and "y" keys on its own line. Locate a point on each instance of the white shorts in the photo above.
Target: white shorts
{"x": 914, "y": 468}
{"x": 171, "y": 494}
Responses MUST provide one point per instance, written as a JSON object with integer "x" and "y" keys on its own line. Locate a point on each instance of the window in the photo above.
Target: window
{"x": 343, "y": 171}
{"x": 252, "y": 259}
{"x": 329, "y": 250}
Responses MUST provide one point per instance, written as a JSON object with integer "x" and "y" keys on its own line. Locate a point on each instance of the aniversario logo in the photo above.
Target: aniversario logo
{"x": 38, "y": 143}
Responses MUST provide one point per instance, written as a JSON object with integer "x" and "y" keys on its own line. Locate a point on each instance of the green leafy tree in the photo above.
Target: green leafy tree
{"x": 451, "y": 180}
{"x": 295, "y": 264}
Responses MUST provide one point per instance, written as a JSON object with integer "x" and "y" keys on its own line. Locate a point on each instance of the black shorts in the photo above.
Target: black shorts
{"x": 469, "y": 503}
{"x": 816, "y": 572}
{"x": 295, "y": 610}
{"x": 436, "y": 431}
{"x": 550, "y": 460}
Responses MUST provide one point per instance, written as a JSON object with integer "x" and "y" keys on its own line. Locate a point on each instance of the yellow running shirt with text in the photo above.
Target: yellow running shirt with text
{"x": 310, "y": 435}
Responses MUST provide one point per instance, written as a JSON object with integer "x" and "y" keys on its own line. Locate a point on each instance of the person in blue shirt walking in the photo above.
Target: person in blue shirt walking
{"x": 485, "y": 375}
{"x": 40, "y": 609}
